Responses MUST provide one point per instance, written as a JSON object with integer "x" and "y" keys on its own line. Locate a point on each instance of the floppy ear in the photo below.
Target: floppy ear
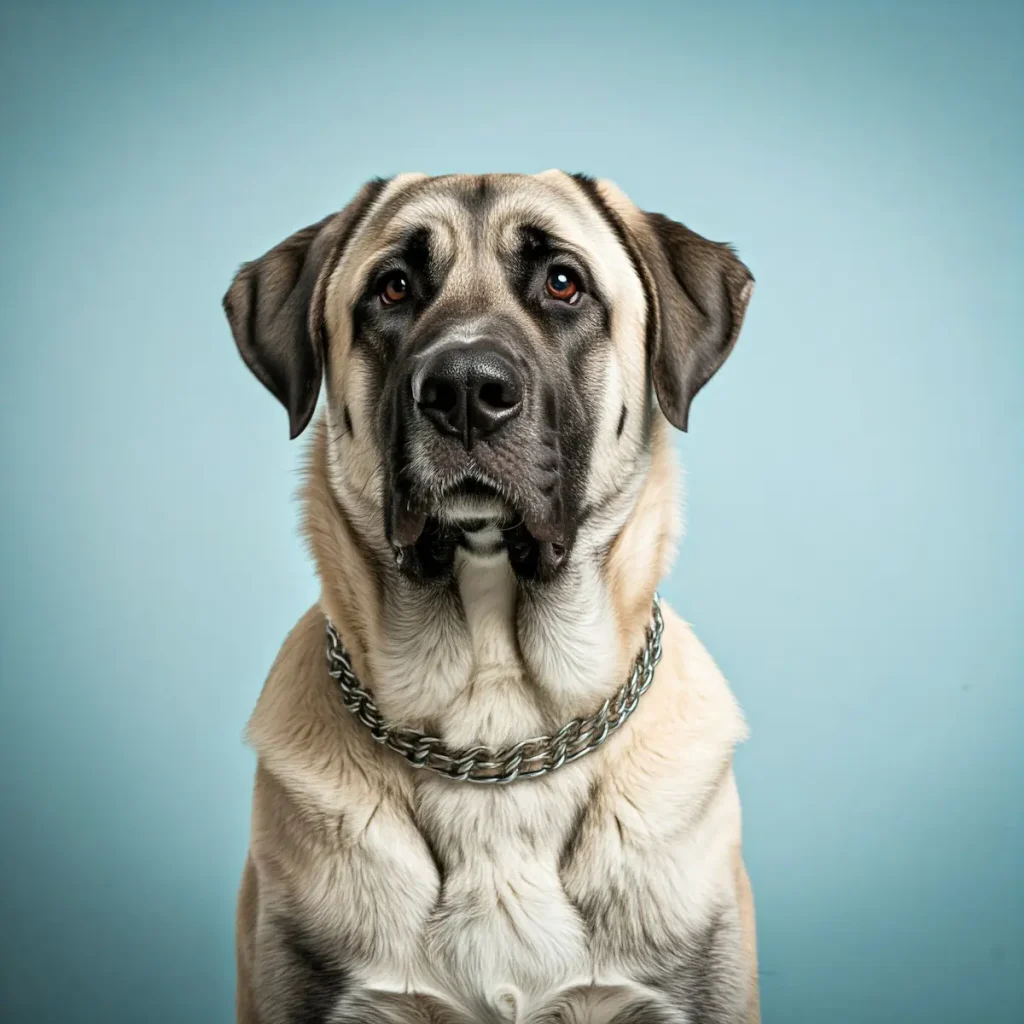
{"x": 702, "y": 290}
{"x": 275, "y": 307}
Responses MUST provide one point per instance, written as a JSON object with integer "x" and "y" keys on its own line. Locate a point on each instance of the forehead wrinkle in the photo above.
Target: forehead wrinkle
{"x": 562, "y": 215}
{"x": 426, "y": 207}
{"x": 395, "y": 191}
{"x": 437, "y": 213}
{"x": 574, "y": 222}
{"x": 353, "y": 270}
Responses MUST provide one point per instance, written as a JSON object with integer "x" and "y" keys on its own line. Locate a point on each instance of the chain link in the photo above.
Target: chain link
{"x": 525, "y": 760}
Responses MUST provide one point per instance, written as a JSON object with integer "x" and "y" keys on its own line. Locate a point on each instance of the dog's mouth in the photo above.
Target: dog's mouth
{"x": 483, "y": 517}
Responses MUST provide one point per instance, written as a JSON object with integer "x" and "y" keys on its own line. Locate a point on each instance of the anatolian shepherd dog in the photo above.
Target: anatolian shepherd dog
{"x": 491, "y": 500}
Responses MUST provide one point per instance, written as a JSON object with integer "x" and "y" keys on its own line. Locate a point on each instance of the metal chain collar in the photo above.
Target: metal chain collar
{"x": 525, "y": 760}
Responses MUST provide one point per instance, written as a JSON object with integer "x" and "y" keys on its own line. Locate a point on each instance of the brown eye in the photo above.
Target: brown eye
{"x": 394, "y": 290}
{"x": 562, "y": 285}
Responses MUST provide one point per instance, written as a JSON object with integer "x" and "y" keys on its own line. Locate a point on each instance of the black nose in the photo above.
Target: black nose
{"x": 468, "y": 390}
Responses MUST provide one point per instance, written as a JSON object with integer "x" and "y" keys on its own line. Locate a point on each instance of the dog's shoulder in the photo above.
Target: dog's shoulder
{"x": 296, "y": 692}
{"x": 303, "y": 735}
{"x": 690, "y": 708}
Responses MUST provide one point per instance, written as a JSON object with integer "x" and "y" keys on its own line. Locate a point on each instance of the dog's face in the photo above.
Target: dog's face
{"x": 492, "y": 347}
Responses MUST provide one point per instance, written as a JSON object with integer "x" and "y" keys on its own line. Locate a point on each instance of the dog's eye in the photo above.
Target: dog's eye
{"x": 563, "y": 285}
{"x": 394, "y": 289}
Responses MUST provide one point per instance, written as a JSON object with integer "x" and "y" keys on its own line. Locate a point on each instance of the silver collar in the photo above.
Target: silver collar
{"x": 525, "y": 760}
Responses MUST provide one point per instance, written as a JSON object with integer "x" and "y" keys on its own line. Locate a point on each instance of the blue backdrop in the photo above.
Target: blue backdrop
{"x": 854, "y": 556}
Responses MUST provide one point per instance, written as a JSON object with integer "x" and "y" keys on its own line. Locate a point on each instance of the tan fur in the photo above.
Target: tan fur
{"x": 339, "y": 823}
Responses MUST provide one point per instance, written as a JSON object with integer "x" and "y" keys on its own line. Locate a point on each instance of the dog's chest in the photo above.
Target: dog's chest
{"x": 502, "y": 916}
{"x": 460, "y": 895}
{"x": 497, "y": 908}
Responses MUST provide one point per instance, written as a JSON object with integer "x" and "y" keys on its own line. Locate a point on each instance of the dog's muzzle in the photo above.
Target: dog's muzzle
{"x": 475, "y": 441}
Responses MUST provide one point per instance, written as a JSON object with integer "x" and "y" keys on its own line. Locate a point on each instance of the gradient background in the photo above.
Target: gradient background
{"x": 854, "y": 556}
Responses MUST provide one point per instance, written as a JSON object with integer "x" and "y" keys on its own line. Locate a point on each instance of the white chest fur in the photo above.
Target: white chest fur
{"x": 502, "y": 922}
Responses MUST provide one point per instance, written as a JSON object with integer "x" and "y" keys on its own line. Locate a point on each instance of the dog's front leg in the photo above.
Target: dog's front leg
{"x": 286, "y": 977}
{"x": 712, "y": 977}
{"x": 286, "y": 973}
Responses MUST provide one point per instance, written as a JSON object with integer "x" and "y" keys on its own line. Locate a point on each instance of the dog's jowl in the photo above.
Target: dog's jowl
{"x": 494, "y": 775}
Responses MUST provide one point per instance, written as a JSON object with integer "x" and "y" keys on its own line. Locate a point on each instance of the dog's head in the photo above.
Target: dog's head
{"x": 493, "y": 347}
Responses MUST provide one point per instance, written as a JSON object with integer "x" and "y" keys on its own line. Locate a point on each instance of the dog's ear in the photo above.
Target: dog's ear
{"x": 275, "y": 307}
{"x": 702, "y": 290}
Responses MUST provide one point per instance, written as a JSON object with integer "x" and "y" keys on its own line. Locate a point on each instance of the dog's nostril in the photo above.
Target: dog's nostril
{"x": 438, "y": 395}
{"x": 497, "y": 395}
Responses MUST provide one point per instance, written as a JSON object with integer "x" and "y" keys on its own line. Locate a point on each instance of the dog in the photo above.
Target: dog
{"x": 494, "y": 774}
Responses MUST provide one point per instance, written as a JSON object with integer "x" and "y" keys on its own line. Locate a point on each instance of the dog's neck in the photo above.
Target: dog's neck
{"x": 488, "y": 660}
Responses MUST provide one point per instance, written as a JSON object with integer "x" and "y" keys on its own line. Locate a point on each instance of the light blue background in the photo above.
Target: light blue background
{"x": 854, "y": 554}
